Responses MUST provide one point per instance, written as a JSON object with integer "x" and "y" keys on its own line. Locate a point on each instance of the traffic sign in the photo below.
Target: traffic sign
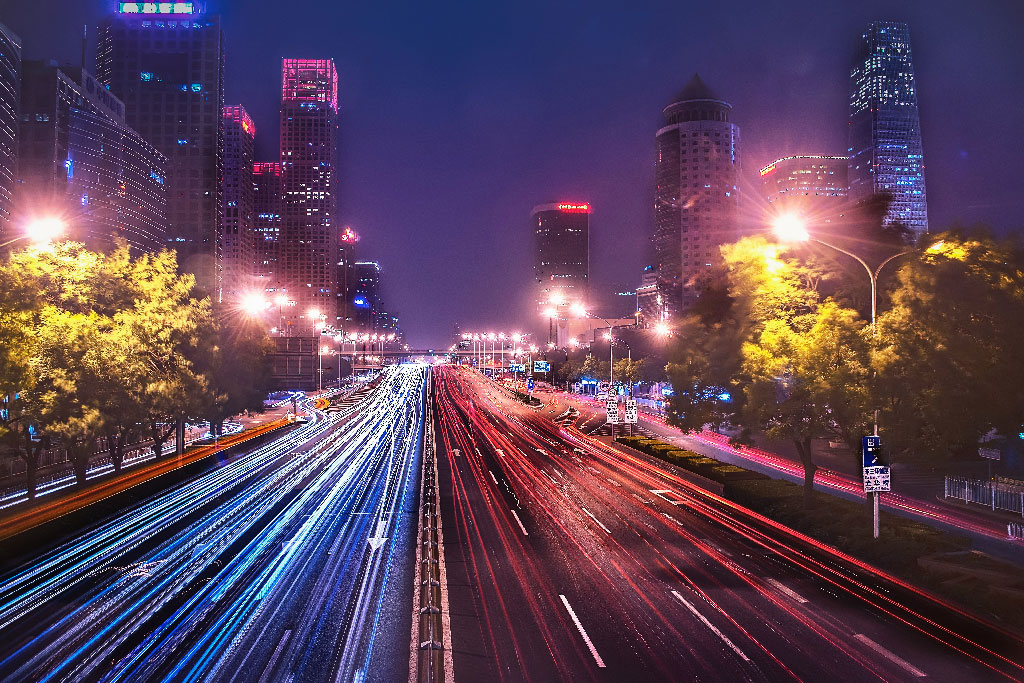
{"x": 517, "y": 367}
{"x": 612, "y": 412}
{"x": 541, "y": 366}
{"x": 877, "y": 479}
{"x": 871, "y": 449}
{"x": 630, "y": 412}
{"x": 529, "y": 384}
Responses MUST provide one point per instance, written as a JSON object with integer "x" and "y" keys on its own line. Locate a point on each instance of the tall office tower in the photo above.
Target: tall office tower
{"x": 648, "y": 299}
{"x": 165, "y": 61}
{"x": 10, "y": 96}
{"x": 886, "y": 156}
{"x": 816, "y": 187}
{"x": 237, "y": 212}
{"x": 561, "y": 254}
{"x": 696, "y": 194}
{"x": 367, "y": 301}
{"x": 78, "y": 160}
{"x": 310, "y": 240}
{"x": 266, "y": 206}
{"x": 346, "y": 279}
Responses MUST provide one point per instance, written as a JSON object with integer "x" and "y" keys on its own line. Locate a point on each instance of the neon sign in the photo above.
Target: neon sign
{"x": 349, "y": 235}
{"x": 770, "y": 168}
{"x": 156, "y": 8}
{"x": 574, "y": 208}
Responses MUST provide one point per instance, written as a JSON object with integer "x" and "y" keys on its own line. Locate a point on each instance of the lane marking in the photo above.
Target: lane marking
{"x": 583, "y": 632}
{"x": 788, "y": 591}
{"x": 890, "y": 656}
{"x": 660, "y": 493}
{"x": 493, "y": 477}
{"x": 550, "y": 477}
{"x": 725, "y": 638}
{"x": 520, "y": 523}
{"x": 613, "y": 482}
{"x": 596, "y": 520}
{"x": 500, "y": 453}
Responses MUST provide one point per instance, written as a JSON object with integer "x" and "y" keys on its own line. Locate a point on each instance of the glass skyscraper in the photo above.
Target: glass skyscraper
{"x": 885, "y": 151}
{"x": 237, "y": 197}
{"x": 165, "y": 61}
{"x": 309, "y": 247}
{"x": 10, "y": 94}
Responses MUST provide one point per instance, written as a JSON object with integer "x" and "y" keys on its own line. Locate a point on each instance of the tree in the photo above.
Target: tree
{"x": 629, "y": 371}
{"x": 570, "y": 372}
{"x": 809, "y": 379}
{"x": 235, "y": 361}
{"x": 947, "y": 360}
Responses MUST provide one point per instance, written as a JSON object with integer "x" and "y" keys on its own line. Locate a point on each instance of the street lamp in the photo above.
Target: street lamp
{"x": 792, "y": 228}
{"x": 40, "y": 231}
{"x": 662, "y": 330}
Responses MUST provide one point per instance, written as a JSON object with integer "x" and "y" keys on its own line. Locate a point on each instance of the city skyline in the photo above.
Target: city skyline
{"x": 791, "y": 101}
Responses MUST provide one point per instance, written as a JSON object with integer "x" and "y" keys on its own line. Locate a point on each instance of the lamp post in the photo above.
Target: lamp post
{"x": 792, "y": 228}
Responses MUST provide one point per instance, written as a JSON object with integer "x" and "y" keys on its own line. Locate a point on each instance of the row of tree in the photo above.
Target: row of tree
{"x": 778, "y": 345}
{"x": 106, "y": 346}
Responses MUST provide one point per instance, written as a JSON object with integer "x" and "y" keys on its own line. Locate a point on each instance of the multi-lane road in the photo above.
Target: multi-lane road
{"x": 281, "y": 565}
{"x": 563, "y": 558}
{"x": 569, "y": 560}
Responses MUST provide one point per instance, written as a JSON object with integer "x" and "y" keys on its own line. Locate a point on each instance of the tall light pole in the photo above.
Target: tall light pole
{"x": 792, "y": 228}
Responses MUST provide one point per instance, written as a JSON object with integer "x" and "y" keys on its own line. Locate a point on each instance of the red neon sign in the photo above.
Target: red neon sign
{"x": 574, "y": 208}
{"x": 770, "y": 168}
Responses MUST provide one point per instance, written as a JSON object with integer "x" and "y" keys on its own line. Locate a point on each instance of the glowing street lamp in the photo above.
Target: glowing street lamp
{"x": 791, "y": 227}
{"x": 41, "y": 231}
{"x": 662, "y": 330}
{"x": 254, "y": 304}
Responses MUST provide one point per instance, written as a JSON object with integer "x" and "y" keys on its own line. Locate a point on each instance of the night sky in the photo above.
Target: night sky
{"x": 457, "y": 118}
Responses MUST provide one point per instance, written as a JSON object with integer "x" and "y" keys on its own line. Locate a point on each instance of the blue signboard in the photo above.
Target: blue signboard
{"x": 871, "y": 448}
{"x": 541, "y": 366}
{"x": 529, "y": 384}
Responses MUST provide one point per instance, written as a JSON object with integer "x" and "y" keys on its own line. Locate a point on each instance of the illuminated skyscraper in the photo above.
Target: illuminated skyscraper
{"x": 165, "y": 61}
{"x": 696, "y": 191}
{"x": 814, "y": 186}
{"x": 10, "y": 94}
{"x": 886, "y": 156}
{"x": 237, "y": 197}
{"x": 266, "y": 202}
{"x": 309, "y": 248}
{"x": 78, "y": 160}
{"x": 367, "y": 300}
{"x": 561, "y": 253}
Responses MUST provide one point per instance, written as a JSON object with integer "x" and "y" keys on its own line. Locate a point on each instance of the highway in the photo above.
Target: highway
{"x": 569, "y": 560}
{"x": 289, "y": 562}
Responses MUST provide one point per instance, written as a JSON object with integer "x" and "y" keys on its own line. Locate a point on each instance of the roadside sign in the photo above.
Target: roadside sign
{"x": 876, "y": 479}
{"x": 529, "y": 384}
{"x": 541, "y": 366}
{"x": 612, "y": 412}
{"x": 871, "y": 449}
{"x": 517, "y": 367}
{"x": 630, "y": 412}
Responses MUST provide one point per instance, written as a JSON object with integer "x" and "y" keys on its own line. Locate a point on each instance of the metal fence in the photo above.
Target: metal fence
{"x": 992, "y": 494}
{"x": 1016, "y": 531}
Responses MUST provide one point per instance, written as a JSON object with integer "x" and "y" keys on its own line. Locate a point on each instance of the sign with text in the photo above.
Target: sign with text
{"x": 541, "y": 366}
{"x": 517, "y": 367}
{"x": 990, "y": 453}
{"x": 871, "y": 449}
{"x": 876, "y": 479}
{"x": 612, "y": 411}
{"x": 529, "y": 384}
{"x": 630, "y": 412}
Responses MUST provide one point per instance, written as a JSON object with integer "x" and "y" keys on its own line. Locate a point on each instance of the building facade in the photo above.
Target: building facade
{"x": 266, "y": 206}
{"x": 366, "y": 302}
{"x": 79, "y": 160}
{"x": 561, "y": 254}
{"x": 815, "y": 186}
{"x": 237, "y": 213}
{"x": 10, "y": 99}
{"x": 696, "y": 190}
{"x": 309, "y": 248}
{"x": 165, "y": 61}
{"x": 886, "y": 155}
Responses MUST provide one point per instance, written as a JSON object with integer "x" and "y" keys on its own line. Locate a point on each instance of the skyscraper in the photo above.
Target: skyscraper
{"x": 696, "y": 190}
{"x": 309, "y": 248}
{"x": 266, "y": 176}
{"x": 367, "y": 301}
{"x": 886, "y": 156}
{"x": 561, "y": 253}
{"x": 78, "y": 160}
{"x": 237, "y": 197}
{"x": 165, "y": 61}
{"x": 814, "y": 186}
{"x": 10, "y": 95}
